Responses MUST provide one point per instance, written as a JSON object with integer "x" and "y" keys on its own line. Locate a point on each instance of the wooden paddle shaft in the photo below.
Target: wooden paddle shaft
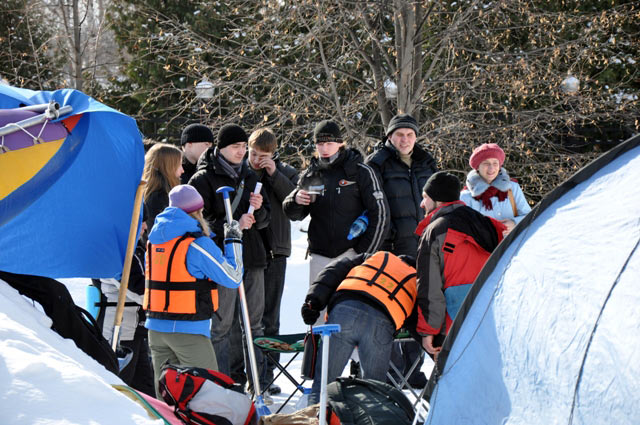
{"x": 126, "y": 270}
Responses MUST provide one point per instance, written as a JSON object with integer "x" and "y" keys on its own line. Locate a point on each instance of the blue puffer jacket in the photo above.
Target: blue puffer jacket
{"x": 204, "y": 260}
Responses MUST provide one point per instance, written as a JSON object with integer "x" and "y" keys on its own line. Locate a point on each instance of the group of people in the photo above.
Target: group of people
{"x": 425, "y": 241}
{"x": 437, "y": 237}
{"x": 195, "y": 260}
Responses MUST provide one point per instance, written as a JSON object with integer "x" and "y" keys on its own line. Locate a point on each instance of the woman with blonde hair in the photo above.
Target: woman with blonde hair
{"x": 184, "y": 269}
{"x": 162, "y": 171}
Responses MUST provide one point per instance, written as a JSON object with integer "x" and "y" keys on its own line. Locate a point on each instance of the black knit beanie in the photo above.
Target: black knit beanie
{"x": 230, "y": 134}
{"x": 443, "y": 187}
{"x": 327, "y": 131}
{"x": 402, "y": 121}
{"x": 196, "y": 133}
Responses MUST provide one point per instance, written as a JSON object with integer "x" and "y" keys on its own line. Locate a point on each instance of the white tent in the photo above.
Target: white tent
{"x": 550, "y": 331}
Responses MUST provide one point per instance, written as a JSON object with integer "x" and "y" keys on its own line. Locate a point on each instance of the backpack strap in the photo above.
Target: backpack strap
{"x": 238, "y": 197}
{"x": 338, "y": 403}
{"x": 513, "y": 203}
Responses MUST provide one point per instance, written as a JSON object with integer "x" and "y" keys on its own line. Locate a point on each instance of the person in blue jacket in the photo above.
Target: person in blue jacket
{"x": 183, "y": 269}
{"x": 489, "y": 189}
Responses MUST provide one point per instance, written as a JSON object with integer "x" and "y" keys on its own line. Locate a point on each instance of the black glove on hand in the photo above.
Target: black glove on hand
{"x": 309, "y": 315}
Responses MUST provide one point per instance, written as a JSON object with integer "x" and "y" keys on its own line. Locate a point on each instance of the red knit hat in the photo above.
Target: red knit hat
{"x": 486, "y": 151}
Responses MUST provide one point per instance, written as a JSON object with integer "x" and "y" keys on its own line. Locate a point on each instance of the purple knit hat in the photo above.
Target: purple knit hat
{"x": 186, "y": 198}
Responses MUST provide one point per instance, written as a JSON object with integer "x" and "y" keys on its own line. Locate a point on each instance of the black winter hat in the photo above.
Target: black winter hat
{"x": 327, "y": 131}
{"x": 196, "y": 133}
{"x": 443, "y": 187}
{"x": 230, "y": 134}
{"x": 402, "y": 121}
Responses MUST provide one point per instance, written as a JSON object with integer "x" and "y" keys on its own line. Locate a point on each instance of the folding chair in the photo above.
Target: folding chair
{"x": 290, "y": 344}
{"x": 403, "y": 379}
{"x": 420, "y": 405}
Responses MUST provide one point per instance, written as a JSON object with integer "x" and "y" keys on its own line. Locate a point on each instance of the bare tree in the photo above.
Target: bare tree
{"x": 83, "y": 39}
{"x": 472, "y": 71}
{"x": 25, "y": 57}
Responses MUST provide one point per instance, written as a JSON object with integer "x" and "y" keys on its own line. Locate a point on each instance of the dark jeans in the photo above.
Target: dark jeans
{"x": 226, "y": 333}
{"x": 274, "y": 276}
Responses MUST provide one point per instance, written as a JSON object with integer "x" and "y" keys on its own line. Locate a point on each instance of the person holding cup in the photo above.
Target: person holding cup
{"x": 336, "y": 189}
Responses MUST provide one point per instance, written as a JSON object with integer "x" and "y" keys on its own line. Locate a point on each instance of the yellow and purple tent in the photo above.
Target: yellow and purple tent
{"x": 67, "y": 183}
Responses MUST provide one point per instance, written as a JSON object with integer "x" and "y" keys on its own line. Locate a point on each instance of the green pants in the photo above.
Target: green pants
{"x": 180, "y": 349}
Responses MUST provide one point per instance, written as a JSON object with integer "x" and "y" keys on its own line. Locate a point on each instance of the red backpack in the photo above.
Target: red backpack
{"x": 204, "y": 397}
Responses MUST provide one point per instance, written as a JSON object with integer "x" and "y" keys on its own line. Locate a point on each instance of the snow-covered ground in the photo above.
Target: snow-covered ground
{"x": 45, "y": 379}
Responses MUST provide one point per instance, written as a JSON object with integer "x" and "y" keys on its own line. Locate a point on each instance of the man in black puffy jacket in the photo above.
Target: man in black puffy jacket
{"x": 225, "y": 165}
{"x": 404, "y": 167}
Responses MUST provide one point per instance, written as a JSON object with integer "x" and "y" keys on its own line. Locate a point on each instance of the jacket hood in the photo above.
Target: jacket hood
{"x": 207, "y": 159}
{"x": 346, "y": 156}
{"x": 477, "y": 186}
{"x": 418, "y": 152}
{"x": 385, "y": 150}
{"x": 171, "y": 223}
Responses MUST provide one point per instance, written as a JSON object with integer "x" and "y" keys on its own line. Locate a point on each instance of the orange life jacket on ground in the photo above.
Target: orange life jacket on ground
{"x": 388, "y": 280}
{"x": 171, "y": 292}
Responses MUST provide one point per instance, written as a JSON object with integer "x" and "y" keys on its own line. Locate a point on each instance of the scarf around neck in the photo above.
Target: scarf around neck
{"x": 232, "y": 171}
{"x": 483, "y": 191}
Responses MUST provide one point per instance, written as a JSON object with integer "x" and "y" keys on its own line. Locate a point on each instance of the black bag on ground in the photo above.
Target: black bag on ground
{"x": 354, "y": 401}
{"x": 68, "y": 320}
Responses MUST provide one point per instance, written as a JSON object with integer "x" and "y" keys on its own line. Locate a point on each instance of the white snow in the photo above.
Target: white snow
{"x": 45, "y": 379}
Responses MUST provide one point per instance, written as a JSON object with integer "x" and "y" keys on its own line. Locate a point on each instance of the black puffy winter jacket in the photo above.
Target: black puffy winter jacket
{"x": 350, "y": 188}
{"x": 403, "y": 187}
{"x": 209, "y": 178}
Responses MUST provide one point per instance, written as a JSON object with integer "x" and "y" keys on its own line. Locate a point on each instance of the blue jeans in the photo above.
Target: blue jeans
{"x": 273, "y": 287}
{"x": 362, "y": 326}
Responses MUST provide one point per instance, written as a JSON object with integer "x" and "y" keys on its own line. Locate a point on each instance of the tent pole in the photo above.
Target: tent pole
{"x": 52, "y": 111}
{"x": 126, "y": 270}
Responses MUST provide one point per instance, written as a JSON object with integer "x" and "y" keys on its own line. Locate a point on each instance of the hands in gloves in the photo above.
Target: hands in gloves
{"x": 232, "y": 232}
{"x": 309, "y": 314}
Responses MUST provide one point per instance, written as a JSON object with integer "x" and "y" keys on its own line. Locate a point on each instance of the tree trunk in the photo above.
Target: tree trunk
{"x": 77, "y": 46}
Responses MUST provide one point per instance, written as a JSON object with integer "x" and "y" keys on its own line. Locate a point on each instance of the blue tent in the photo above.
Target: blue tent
{"x": 70, "y": 214}
{"x": 550, "y": 331}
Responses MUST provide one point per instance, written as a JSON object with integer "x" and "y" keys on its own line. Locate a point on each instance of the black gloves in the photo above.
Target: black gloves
{"x": 309, "y": 315}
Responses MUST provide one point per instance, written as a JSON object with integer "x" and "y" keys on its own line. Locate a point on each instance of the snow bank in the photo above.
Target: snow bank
{"x": 45, "y": 379}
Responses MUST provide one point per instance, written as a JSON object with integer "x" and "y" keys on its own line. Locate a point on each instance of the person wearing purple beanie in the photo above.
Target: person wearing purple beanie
{"x": 184, "y": 268}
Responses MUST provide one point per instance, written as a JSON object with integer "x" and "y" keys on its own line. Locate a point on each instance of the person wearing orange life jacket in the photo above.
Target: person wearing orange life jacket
{"x": 370, "y": 296}
{"x": 183, "y": 268}
{"x": 455, "y": 243}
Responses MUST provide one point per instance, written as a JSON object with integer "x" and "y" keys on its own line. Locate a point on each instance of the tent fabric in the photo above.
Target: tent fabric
{"x": 72, "y": 218}
{"x": 549, "y": 332}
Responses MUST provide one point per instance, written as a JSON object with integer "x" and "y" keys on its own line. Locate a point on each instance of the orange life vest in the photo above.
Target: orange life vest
{"x": 388, "y": 280}
{"x": 171, "y": 292}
